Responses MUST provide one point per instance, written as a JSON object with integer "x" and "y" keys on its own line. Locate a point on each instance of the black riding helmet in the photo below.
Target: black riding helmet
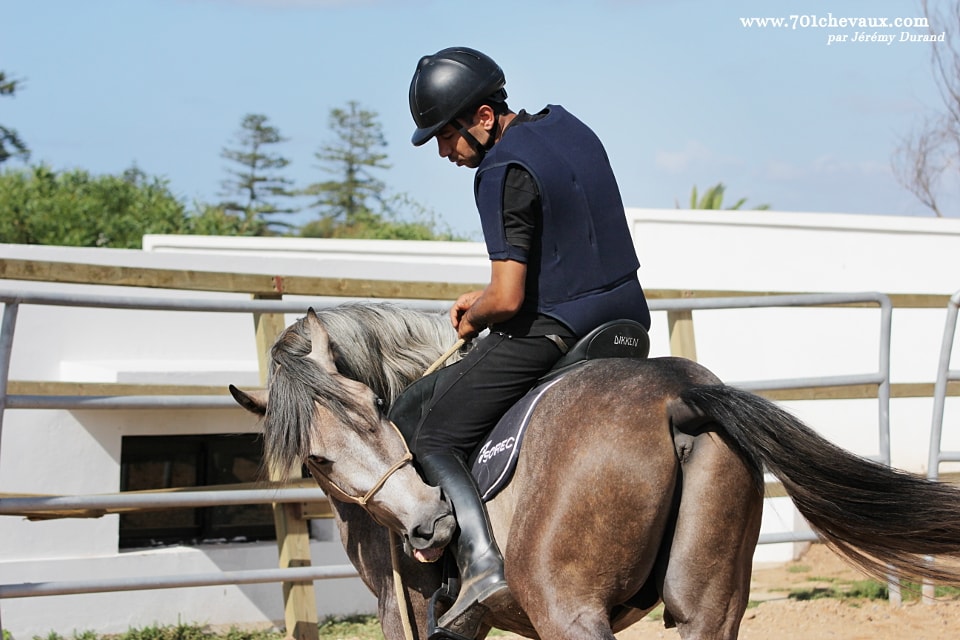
{"x": 448, "y": 83}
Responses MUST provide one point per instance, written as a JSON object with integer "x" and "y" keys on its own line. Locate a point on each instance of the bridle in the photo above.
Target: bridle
{"x": 363, "y": 501}
{"x": 399, "y": 592}
{"x": 341, "y": 494}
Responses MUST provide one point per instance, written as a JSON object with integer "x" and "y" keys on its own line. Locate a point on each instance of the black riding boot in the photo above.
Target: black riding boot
{"x": 482, "y": 584}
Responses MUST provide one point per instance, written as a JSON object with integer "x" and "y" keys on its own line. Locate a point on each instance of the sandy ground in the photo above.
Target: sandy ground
{"x": 780, "y": 617}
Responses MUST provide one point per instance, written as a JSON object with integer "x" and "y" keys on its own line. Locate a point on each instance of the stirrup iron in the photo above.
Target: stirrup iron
{"x": 447, "y": 596}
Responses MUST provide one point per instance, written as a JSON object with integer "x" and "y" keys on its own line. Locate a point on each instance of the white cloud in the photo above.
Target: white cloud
{"x": 830, "y": 164}
{"x": 694, "y": 153}
{"x": 826, "y": 165}
{"x": 782, "y": 170}
{"x": 301, "y": 4}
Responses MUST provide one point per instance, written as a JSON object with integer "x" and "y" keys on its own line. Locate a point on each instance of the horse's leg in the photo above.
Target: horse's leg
{"x": 592, "y": 498}
{"x": 707, "y": 582}
{"x": 416, "y": 596}
{"x": 368, "y": 546}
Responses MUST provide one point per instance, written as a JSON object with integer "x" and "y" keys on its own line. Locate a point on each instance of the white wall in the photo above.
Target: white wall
{"x": 78, "y": 451}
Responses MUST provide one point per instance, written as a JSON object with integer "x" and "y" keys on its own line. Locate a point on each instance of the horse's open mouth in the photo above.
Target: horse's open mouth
{"x": 427, "y": 555}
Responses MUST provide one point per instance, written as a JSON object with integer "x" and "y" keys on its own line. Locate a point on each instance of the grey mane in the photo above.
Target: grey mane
{"x": 384, "y": 346}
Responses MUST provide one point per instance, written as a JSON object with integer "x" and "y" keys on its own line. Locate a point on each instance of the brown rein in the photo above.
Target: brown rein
{"x": 408, "y": 457}
{"x": 364, "y": 500}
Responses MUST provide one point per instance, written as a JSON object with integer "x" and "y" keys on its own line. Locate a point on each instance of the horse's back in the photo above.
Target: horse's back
{"x": 596, "y": 506}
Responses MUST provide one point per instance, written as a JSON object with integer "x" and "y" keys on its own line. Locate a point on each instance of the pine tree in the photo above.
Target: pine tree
{"x": 256, "y": 183}
{"x": 10, "y": 143}
{"x": 353, "y": 202}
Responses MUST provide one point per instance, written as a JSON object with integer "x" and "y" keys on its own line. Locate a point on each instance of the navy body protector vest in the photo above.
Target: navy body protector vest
{"x": 587, "y": 274}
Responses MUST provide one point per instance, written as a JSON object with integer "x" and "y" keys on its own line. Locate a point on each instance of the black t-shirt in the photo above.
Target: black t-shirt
{"x": 522, "y": 214}
{"x": 522, "y": 222}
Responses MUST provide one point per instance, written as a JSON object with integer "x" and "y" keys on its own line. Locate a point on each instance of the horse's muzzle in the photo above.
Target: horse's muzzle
{"x": 426, "y": 543}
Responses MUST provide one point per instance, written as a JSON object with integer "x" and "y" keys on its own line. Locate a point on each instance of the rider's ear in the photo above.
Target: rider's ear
{"x": 486, "y": 116}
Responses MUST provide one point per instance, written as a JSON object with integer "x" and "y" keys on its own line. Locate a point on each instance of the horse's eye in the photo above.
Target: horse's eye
{"x": 319, "y": 461}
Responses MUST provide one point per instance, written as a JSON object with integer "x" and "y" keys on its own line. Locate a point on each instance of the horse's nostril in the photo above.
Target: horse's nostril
{"x": 423, "y": 532}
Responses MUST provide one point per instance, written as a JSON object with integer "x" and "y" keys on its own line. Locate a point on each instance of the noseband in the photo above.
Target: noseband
{"x": 363, "y": 500}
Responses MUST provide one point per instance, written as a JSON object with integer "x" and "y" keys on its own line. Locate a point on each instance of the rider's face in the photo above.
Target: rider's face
{"x": 455, "y": 148}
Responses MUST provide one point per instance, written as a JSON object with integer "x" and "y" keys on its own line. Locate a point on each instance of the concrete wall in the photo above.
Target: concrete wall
{"x": 78, "y": 451}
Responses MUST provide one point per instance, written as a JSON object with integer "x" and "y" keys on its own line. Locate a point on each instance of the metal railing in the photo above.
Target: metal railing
{"x": 944, "y": 376}
{"x": 880, "y": 377}
{"x": 12, "y": 300}
{"x": 8, "y": 506}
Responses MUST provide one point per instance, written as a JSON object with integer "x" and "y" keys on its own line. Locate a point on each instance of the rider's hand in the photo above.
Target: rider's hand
{"x": 459, "y": 310}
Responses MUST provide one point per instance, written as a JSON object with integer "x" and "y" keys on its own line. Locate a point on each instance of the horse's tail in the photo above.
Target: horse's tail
{"x": 883, "y": 520}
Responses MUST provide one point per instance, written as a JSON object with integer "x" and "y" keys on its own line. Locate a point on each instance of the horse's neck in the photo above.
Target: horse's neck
{"x": 367, "y": 544}
{"x": 368, "y": 547}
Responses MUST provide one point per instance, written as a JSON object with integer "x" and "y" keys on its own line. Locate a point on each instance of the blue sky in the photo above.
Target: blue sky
{"x": 680, "y": 92}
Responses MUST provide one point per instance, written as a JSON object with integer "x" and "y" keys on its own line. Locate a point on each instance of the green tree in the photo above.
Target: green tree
{"x": 213, "y": 220}
{"x": 418, "y": 223}
{"x": 10, "y": 143}
{"x": 712, "y": 198}
{"x": 355, "y": 202}
{"x": 351, "y": 202}
{"x": 74, "y": 208}
{"x": 256, "y": 181}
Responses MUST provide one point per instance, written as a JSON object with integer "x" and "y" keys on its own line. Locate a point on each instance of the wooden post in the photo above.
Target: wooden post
{"x": 293, "y": 535}
{"x": 299, "y": 598}
{"x": 682, "y": 341}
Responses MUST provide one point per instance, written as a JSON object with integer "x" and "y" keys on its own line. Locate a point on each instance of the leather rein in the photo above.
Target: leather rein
{"x": 363, "y": 500}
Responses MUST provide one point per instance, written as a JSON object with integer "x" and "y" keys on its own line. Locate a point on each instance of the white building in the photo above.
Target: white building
{"x": 67, "y": 452}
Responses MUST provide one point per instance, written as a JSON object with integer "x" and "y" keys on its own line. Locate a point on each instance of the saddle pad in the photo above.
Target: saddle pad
{"x": 496, "y": 459}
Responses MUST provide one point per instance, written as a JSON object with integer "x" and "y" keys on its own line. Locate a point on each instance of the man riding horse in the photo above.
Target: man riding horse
{"x": 562, "y": 263}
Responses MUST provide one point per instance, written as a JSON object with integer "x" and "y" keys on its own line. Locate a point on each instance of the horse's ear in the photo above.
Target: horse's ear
{"x": 320, "y": 350}
{"x": 252, "y": 401}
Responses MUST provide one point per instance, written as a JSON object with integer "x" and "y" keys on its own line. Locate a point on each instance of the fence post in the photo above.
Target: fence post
{"x": 293, "y": 535}
{"x": 682, "y": 341}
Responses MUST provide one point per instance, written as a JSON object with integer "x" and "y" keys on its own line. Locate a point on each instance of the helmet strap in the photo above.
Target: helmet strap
{"x": 480, "y": 148}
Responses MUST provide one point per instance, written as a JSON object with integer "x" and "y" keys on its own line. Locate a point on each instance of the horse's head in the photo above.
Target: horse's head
{"x": 316, "y": 417}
